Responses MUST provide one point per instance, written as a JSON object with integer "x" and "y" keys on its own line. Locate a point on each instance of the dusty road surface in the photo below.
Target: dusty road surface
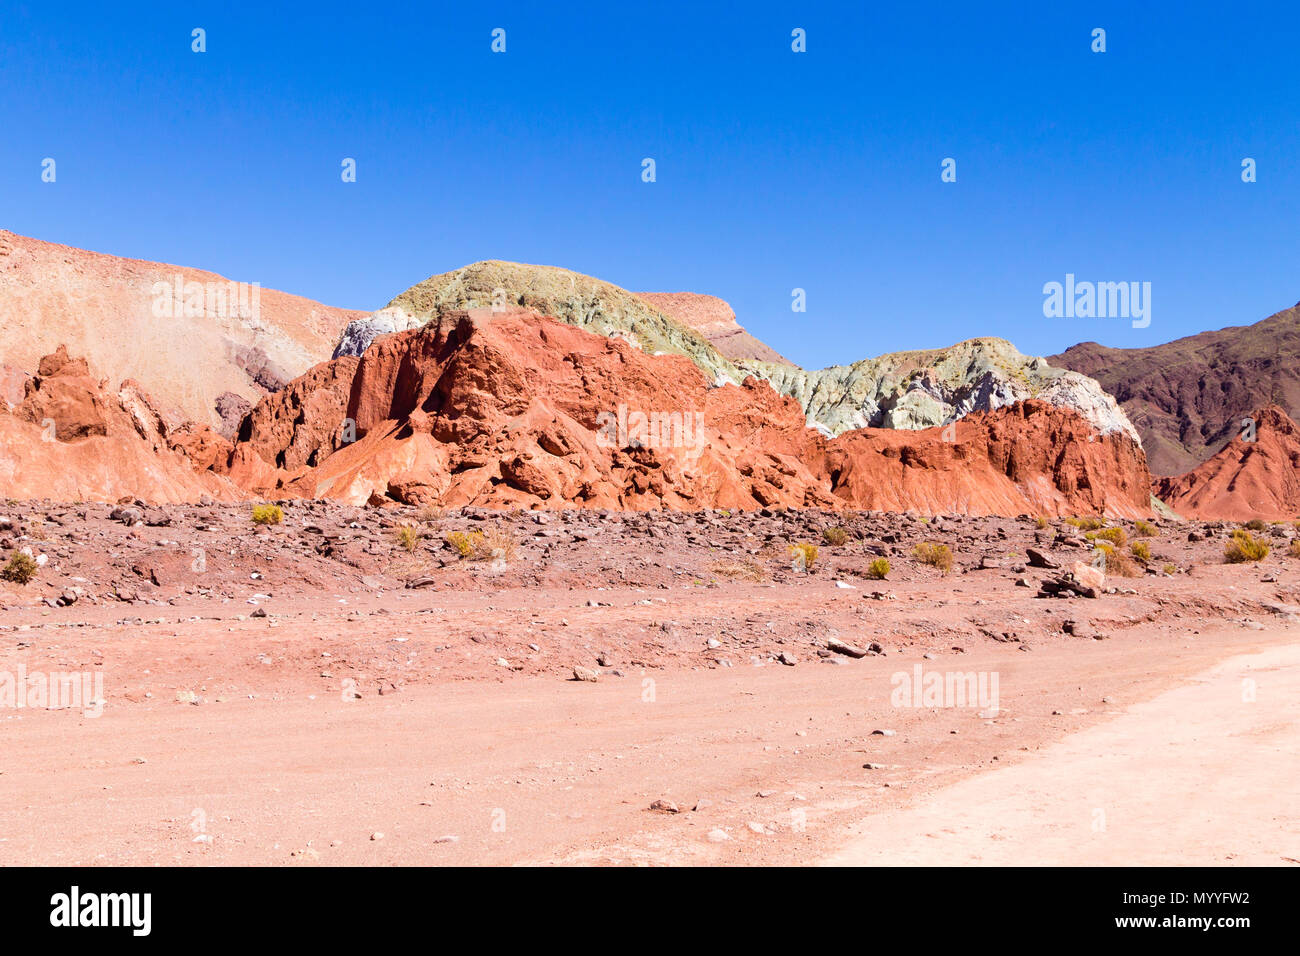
{"x": 1202, "y": 775}
{"x": 765, "y": 764}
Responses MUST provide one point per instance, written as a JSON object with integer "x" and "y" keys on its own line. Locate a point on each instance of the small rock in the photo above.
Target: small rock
{"x": 1039, "y": 560}
{"x": 841, "y": 647}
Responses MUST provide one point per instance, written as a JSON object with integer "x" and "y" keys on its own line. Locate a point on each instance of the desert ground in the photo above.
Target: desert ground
{"x": 335, "y": 690}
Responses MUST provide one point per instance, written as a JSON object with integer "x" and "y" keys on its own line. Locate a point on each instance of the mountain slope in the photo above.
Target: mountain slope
{"x": 1245, "y": 479}
{"x": 907, "y": 390}
{"x": 106, "y": 309}
{"x": 923, "y": 389}
{"x": 1188, "y": 397}
{"x": 716, "y": 321}
{"x": 570, "y": 297}
{"x": 515, "y": 409}
{"x": 71, "y": 438}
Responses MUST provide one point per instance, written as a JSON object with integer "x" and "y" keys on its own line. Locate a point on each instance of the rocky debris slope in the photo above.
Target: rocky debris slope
{"x": 909, "y": 390}
{"x": 1188, "y": 397}
{"x": 716, "y": 321}
{"x": 519, "y": 410}
{"x": 72, "y": 438}
{"x": 707, "y": 588}
{"x": 1246, "y": 479}
{"x": 107, "y": 309}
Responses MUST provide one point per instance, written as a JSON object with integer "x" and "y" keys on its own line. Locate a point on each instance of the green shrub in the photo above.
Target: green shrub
{"x": 1145, "y": 529}
{"x": 878, "y": 569}
{"x": 1142, "y": 551}
{"x": 936, "y": 555}
{"x": 1244, "y": 547}
{"x": 464, "y": 542}
{"x": 267, "y": 514}
{"x": 408, "y": 537}
{"x": 1255, "y": 524}
{"x": 20, "y": 569}
{"x": 1086, "y": 524}
{"x": 1115, "y": 536}
{"x": 835, "y": 536}
{"x": 1119, "y": 563}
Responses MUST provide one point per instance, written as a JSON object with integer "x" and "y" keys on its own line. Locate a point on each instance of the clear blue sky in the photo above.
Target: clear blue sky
{"x": 775, "y": 170}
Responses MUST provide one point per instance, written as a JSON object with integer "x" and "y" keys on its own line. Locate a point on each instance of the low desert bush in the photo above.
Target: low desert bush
{"x": 1115, "y": 536}
{"x": 1170, "y": 569}
{"x": 1142, "y": 551}
{"x": 1040, "y": 522}
{"x": 1294, "y": 550}
{"x": 878, "y": 569}
{"x": 496, "y": 544}
{"x": 1255, "y": 524}
{"x": 1145, "y": 529}
{"x": 267, "y": 514}
{"x": 464, "y": 542}
{"x": 739, "y": 570}
{"x": 936, "y": 555}
{"x": 20, "y": 569}
{"x": 431, "y": 514}
{"x": 1244, "y": 547}
{"x": 835, "y": 536}
{"x": 804, "y": 554}
{"x": 408, "y": 537}
{"x": 1118, "y": 563}
{"x": 1086, "y": 524}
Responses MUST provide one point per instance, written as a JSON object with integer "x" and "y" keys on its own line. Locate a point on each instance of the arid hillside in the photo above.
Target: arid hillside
{"x": 1187, "y": 398}
{"x": 187, "y": 336}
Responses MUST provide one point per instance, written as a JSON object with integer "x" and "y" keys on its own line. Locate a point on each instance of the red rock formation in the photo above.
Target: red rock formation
{"x": 518, "y": 410}
{"x": 70, "y": 438}
{"x": 1027, "y": 458}
{"x": 1246, "y": 479}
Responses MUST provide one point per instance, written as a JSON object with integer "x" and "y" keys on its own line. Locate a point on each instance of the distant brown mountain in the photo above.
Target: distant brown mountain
{"x": 1188, "y": 398}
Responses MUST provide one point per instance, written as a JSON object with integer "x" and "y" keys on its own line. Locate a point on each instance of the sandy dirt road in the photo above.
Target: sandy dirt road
{"x": 766, "y": 765}
{"x": 1204, "y": 774}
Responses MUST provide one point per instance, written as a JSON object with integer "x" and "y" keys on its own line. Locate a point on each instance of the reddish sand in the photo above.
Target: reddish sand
{"x": 362, "y": 722}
